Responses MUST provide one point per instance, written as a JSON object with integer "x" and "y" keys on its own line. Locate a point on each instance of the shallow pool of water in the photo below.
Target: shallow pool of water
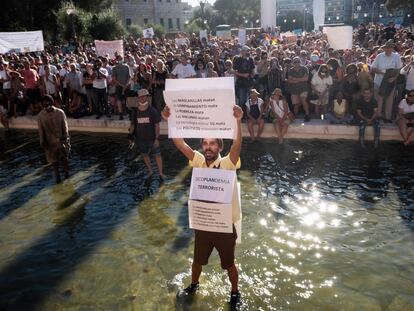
{"x": 326, "y": 226}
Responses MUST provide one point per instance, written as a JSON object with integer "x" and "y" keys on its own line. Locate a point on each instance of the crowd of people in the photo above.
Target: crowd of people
{"x": 276, "y": 79}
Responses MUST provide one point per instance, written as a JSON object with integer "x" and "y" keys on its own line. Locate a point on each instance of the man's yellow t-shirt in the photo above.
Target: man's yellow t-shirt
{"x": 225, "y": 164}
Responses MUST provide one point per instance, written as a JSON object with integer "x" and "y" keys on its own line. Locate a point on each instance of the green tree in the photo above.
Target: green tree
{"x": 237, "y": 12}
{"x": 106, "y": 25}
{"x": 72, "y": 21}
{"x": 135, "y": 31}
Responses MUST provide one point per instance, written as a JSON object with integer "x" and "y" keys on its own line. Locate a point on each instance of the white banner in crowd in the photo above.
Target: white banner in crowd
{"x": 21, "y": 42}
{"x": 318, "y": 13}
{"x": 201, "y": 108}
{"x": 339, "y": 38}
{"x": 181, "y": 41}
{"x": 148, "y": 33}
{"x": 203, "y": 34}
{"x": 242, "y": 36}
{"x": 109, "y": 47}
{"x": 209, "y": 184}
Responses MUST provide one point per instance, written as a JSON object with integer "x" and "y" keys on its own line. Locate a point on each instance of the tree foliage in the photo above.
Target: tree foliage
{"x": 393, "y": 5}
{"x": 106, "y": 25}
{"x": 41, "y": 14}
{"x": 236, "y": 12}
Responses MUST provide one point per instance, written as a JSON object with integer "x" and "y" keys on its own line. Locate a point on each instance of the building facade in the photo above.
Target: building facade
{"x": 171, "y": 14}
{"x": 365, "y": 11}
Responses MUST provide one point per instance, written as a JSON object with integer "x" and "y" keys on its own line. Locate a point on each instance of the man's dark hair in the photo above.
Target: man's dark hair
{"x": 219, "y": 142}
{"x": 48, "y": 98}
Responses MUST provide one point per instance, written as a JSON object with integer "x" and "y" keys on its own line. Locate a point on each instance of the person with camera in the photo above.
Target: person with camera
{"x": 99, "y": 76}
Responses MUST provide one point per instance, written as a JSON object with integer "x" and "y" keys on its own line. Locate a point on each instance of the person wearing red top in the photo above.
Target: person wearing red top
{"x": 31, "y": 78}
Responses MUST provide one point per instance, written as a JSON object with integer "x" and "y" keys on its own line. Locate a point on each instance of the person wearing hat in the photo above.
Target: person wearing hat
{"x": 145, "y": 129}
{"x": 385, "y": 61}
{"x": 54, "y": 136}
{"x": 243, "y": 66}
{"x": 255, "y": 110}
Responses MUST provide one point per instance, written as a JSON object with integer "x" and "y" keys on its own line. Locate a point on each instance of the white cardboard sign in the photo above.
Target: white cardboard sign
{"x": 242, "y": 36}
{"x": 339, "y": 38}
{"x": 213, "y": 217}
{"x": 209, "y": 184}
{"x": 148, "y": 33}
{"x": 200, "y": 112}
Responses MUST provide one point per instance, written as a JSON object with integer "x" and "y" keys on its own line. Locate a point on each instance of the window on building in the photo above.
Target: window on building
{"x": 178, "y": 24}
{"x": 162, "y": 22}
{"x": 128, "y": 22}
{"x": 170, "y": 23}
{"x": 145, "y": 21}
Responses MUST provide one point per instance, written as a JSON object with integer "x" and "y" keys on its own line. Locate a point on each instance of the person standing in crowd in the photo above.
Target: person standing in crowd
{"x": 351, "y": 86}
{"x": 31, "y": 79}
{"x": 50, "y": 85}
{"x": 243, "y": 66}
{"x": 386, "y": 61}
{"x": 367, "y": 110}
{"x": 406, "y": 118}
{"x": 145, "y": 128}
{"x": 255, "y": 109}
{"x": 87, "y": 83}
{"x": 74, "y": 85}
{"x": 6, "y": 84}
{"x": 280, "y": 111}
{"x": 120, "y": 78}
{"x": 54, "y": 136}
{"x": 297, "y": 84}
{"x": 183, "y": 70}
{"x": 4, "y": 118}
{"x": 159, "y": 76}
{"x": 206, "y": 241}
{"x": 408, "y": 72}
{"x": 99, "y": 76}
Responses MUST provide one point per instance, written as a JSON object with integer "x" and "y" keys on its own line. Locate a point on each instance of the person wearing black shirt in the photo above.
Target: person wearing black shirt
{"x": 158, "y": 82}
{"x": 367, "y": 111}
{"x": 390, "y": 31}
{"x": 145, "y": 128}
{"x": 243, "y": 66}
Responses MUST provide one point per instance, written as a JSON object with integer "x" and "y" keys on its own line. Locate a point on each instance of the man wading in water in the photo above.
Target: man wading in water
{"x": 205, "y": 241}
{"x": 54, "y": 136}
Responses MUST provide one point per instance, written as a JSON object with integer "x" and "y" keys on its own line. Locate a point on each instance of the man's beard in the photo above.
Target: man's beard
{"x": 211, "y": 156}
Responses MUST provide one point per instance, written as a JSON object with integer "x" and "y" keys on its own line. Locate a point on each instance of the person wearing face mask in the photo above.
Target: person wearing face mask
{"x": 54, "y": 136}
{"x": 145, "y": 129}
{"x": 321, "y": 82}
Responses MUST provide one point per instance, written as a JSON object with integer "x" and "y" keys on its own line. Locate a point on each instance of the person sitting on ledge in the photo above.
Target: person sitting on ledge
{"x": 405, "y": 118}
{"x": 367, "y": 110}
{"x": 255, "y": 112}
{"x": 340, "y": 112}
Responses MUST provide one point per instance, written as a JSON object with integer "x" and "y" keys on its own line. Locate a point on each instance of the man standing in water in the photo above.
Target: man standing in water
{"x": 145, "y": 127}
{"x": 54, "y": 136}
{"x": 205, "y": 241}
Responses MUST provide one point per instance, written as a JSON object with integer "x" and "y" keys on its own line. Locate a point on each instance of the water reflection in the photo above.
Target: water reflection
{"x": 318, "y": 226}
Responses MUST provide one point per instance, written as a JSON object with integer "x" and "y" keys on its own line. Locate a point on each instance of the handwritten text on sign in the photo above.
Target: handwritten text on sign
{"x": 201, "y": 113}
{"x": 208, "y": 184}
{"x": 213, "y": 217}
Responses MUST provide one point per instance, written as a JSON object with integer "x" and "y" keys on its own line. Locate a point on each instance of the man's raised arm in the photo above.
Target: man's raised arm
{"x": 179, "y": 142}
{"x": 236, "y": 146}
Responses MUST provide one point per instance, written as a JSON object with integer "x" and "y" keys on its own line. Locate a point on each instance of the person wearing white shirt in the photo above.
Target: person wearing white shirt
{"x": 183, "y": 70}
{"x": 99, "y": 76}
{"x": 386, "y": 60}
{"x": 406, "y": 118}
{"x": 408, "y": 71}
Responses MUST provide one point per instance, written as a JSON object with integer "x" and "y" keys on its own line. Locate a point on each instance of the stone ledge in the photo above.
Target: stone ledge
{"x": 315, "y": 129}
